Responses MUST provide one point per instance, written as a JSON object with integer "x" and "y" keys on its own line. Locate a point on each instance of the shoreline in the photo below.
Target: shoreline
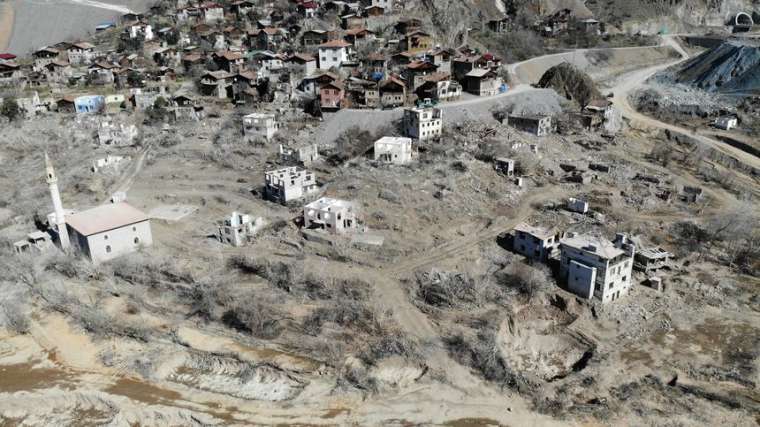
{"x": 7, "y": 20}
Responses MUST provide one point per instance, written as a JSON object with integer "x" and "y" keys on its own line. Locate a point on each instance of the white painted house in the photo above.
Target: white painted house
{"x": 423, "y": 123}
{"x": 333, "y": 54}
{"x": 595, "y": 268}
{"x": 393, "y": 150}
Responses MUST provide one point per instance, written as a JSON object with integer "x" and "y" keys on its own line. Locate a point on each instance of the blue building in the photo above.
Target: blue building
{"x": 89, "y": 104}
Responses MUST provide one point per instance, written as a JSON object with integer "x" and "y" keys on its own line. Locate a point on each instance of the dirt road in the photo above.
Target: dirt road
{"x": 632, "y": 81}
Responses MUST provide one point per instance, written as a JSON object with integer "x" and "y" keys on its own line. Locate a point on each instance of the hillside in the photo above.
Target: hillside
{"x": 734, "y": 66}
{"x": 570, "y": 82}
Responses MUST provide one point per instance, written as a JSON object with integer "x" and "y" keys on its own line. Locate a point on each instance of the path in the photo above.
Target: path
{"x": 632, "y": 81}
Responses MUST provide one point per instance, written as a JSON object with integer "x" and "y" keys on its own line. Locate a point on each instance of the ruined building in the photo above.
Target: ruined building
{"x": 393, "y": 150}
{"x": 536, "y": 243}
{"x": 423, "y": 123}
{"x": 238, "y": 228}
{"x": 292, "y": 183}
{"x": 331, "y": 215}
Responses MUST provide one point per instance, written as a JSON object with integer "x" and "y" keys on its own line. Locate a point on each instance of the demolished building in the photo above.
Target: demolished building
{"x": 287, "y": 184}
{"x": 595, "y": 268}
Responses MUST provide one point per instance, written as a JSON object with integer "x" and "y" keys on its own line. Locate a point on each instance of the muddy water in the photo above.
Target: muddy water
{"x": 143, "y": 392}
{"x": 25, "y": 377}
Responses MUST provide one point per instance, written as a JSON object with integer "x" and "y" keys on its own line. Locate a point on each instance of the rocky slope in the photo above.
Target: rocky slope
{"x": 732, "y": 67}
{"x": 570, "y": 82}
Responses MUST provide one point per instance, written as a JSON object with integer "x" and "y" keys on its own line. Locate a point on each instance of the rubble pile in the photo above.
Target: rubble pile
{"x": 732, "y": 67}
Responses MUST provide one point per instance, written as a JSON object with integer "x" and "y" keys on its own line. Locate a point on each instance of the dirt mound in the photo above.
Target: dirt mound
{"x": 734, "y": 66}
{"x": 570, "y": 82}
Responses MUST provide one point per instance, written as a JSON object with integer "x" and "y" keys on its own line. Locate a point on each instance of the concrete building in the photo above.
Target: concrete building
{"x": 287, "y": 184}
{"x": 36, "y": 241}
{"x": 260, "y": 125}
{"x": 109, "y": 231}
{"x": 423, "y": 123}
{"x": 536, "y": 243}
{"x": 238, "y": 228}
{"x": 577, "y": 205}
{"x": 726, "y": 122}
{"x": 651, "y": 259}
{"x": 333, "y": 53}
{"x": 116, "y": 134}
{"x": 89, "y": 104}
{"x": 394, "y": 150}
{"x": 302, "y": 153}
{"x": 537, "y": 125}
{"x": 505, "y": 166}
{"x": 332, "y": 215}
{"x": 109, "y": 162}
{"x": 595, "y": 268}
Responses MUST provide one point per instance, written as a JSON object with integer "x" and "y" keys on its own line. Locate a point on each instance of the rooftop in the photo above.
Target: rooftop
{"x": 540, "y": 232}
{"x": 327, "y": 203}
{"x": 593, "y": 244}
{"x": 393, "y": 140}
{"x": 104, "y": 218}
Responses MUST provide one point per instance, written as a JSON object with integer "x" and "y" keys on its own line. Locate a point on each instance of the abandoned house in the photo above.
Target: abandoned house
{"x": 595, "y": 268}
{"x": 651, "y": 259}
{"x": 117, "y": 134}
{"x": 577, "y": 205}
{"x": 482, "y": 82}
{"x": 304, "y": 154}
{"x": 260, "y": 125}
{"x": 332, "y": 215}
{"x": 39, "y": 241}
{"x": 536, "y": 243}
{"x": 238, "y": 228}
{"x": 505, "y": 166}
{"x": 287, "y": 184}
{"x": 726, "y": 122}
{"x": 537, "y": 125}
{"x": 423, "y": 123}
{"x": 393, "y": 150}
{"x": 690, "y": 194}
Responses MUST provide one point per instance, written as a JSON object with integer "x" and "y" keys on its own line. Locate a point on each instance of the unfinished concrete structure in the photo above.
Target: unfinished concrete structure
{"x": 238, "y": 229}
{"x": 595, "y": 268}
{"x": 537, "y": 125}
{"x": 304, "y": 154}
{"x": 331, "y": 215}
{"x": 287, "y": 184}
{"x": 108, "y": 162}
{"x": 260, "y": 125}
{"x": 36, "y": 241}
{"x": 651, "y": 259}
{"x": 423, "y": 123}
{"x": 504, "y": 165}
{"x": 536, "y": 243}
{"x": 577, "y": 205}
{"x": 116, "y": 134}
{"x": 393, "y": 150}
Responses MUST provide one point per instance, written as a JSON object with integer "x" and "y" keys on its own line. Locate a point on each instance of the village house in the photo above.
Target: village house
{"x": 595, "y": 268}
{"x": 505, "y": 166}
{"x": 87, "y": 104}
{"x": 44, "y": 56}
{"x": 311, "y": 83}
{"x": 376, "y": 65}
{"x": 311, "y": 38}
{"x": 269, "y": 39}
{"x": 537, "y": 125}
{"x": 407, "y": 25}
{"x": 352, "y": 20}
{"x": 373, "y": 11}
{"x": 359, "y": 37}
{"x": 308, "y": 9}
{"x": 536, "y": 243}
{"x": 217, "y": 84}
{"x": 260, "y": 126}
{"x": 726, "y": 122}
{"x": 441, "y": 58}
{"x": 211, "y": 12}
{"x": 416, "y": 72}
{"x": 439, "y": 87}
{"x": 11, "y": 75}
{"x": 498, "y": 24}
{"x": 588, "y": 26}
{"x": 80, "y": 53}
{"x": 331, "y": 95}
{"x": 238, "y": 229}
{"x": 392, "y": 93}
{"x": 331, "y": 215}
{"x": 304, "y": 153}
{"x": 232, "y": 62}
{"x": 393, "y": 150}
{"x": 423, "y": 123}
{"x": 482, "y": 82}
{"x": 101, "y": 73}
{"x": 241, "y": 8}
{"x": 333, "y": 53}
{"x": 267, "y": 63}
{"x": 416, "y": 42}
{"x": 304, "y": 63}
{"x": 287, "y": 184}
{"x": 650, "y": 260}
